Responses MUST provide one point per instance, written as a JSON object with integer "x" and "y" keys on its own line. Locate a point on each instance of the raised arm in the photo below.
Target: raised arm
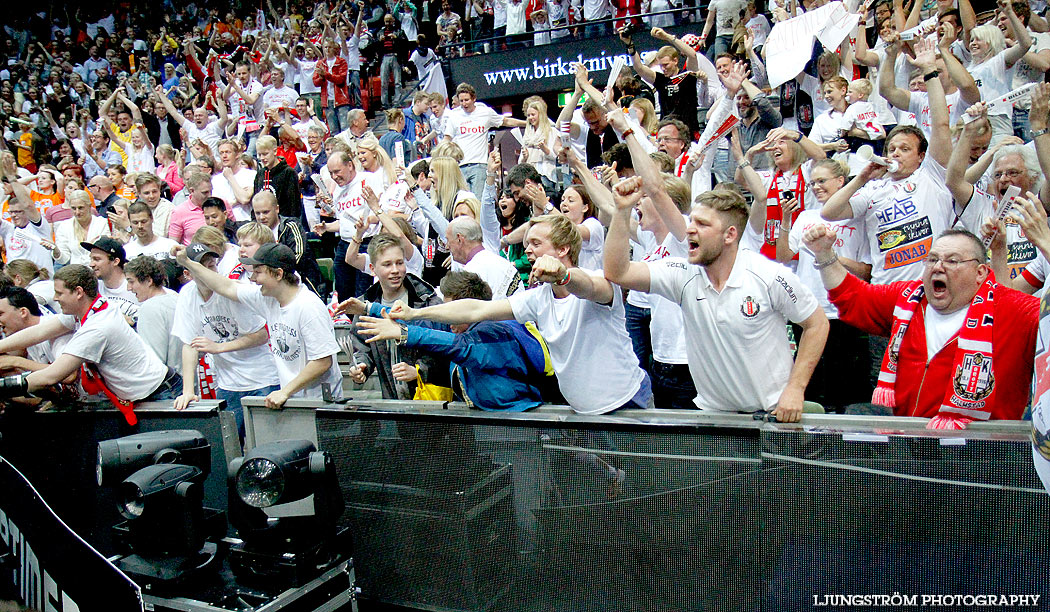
{"x": 955, "y": 178}
{"x": 888, "y": 89}
{"x": 940, "y": 129}
{"x": 689, "y": 53}
{"x": 617, "y": 263}
{"x": 1037, "y": 118}
{"x": 218, "y": 283}
{"x": 456, "y": 311}
{"x": 646, "y": 73}
{"x": 968, "y": 91}
{"x": 172, "y": 111}
{"x": 1024, "y": 39}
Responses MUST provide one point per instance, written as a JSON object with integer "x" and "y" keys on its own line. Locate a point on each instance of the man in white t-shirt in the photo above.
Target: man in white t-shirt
{"x": 245, "y": 103}
{"x": 904, "y": 209}
{"x": 236, "y": 182}
{"x": 209, "y": 132}
{"x": 468, "y": 126}
{"x": 234, "y": 337}
{"x": 107, "y": 262}
{"x": 114, "y": 360}
{"x": 468, "y": 251}
{"x": 350, "y": 207}
{"x": 145, "y": 242}
{"x": 736, "y": 304}
{"x": 19, "y": 310}
{"x": 579, "y": 314}
{"x": 279, "y": 96}
{"x": 302, "y": 336}
{"x": 26, "y": 233}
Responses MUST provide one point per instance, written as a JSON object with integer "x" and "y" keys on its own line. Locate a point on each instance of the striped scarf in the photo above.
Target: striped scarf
{"x": 973, "y": 382}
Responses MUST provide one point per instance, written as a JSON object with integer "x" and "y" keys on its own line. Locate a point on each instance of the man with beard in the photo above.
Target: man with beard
{"x": 736, "y": 304}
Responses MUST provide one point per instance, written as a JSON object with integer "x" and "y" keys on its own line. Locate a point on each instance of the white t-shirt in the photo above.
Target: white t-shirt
{"x": 665, "y": 324}
{"x": 126, "y": 363}
{"x": 737, "y": 338}
{"x": 471, "y": 132}
{"x": 590, "y": 350}
{"x": 1019, "y": 251}
{"x": 902, "y": 218}
{"x": 1023, "y": 71}
{"x": 120, "y": 297}
{"x": 759, "y": 27}
{"x": 591, "y": 251}
{"x": 247, "y": 115}
{"x": 306, "y": 70}
{"x": 993, "y": 78}
{"x": 49, "y": 350}
{"x": 862, "y": 115}
{"x": 940, "y": 328}
{"x": 919, "y": 105}
{"x": 826, "y": 126}
{"x": 160, "y": 248}
{"x": 501, "y": 275}
{"x": 728, "y": 14}
{"x": 24, "y": 243}
{"x": 220, "y": 188}
{"x": 141, "y": 160}
{"x": 350, "y": 206}
{"x": 211, "y": 134}
{"x": 851, "y": 243}
{"x": 283, "y": 98}
{"x": 300, "y": 332}
{"x": 223, "y": 320}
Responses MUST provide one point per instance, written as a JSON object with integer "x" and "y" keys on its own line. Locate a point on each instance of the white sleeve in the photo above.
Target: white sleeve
{"x": 251, "y": 297}
{"x": 667, "y": 278}
{"x": 316, "y": 325}
{"x": 183, "y": 325}
{"x": 790, "y": 296}
{"x": 527, "y": 304}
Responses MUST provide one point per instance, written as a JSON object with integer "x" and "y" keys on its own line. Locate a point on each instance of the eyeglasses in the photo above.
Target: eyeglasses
{"x": 950, "y": 263}
{"x": 668, "y": 139}
{"x": 819, "y": 182}
{"x": 92, "y": 186}
{"x": 1011, "y": 173}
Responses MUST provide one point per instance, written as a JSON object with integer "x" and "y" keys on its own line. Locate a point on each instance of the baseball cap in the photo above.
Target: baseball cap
{"x": 108, "y": 245}
{"x": 273, "y": 255}
{"x": 196, "y": 252}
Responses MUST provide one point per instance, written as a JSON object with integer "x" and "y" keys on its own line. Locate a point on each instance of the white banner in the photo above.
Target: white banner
{"x": 790, "y": 42}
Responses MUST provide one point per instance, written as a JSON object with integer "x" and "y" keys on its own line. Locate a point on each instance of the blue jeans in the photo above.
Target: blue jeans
{"x": 337, "y": 117}
{"x": 353, "y": 82}
{"x": 233, "y": 402}
{"x": 638, "y": 320}
{"x": 475, "y": 177}
{"x": 390, "y": 68}
{"x": 673, "y": 386}
{"x": 720, "y": 45}
{"x": 169, "y": 388}
{"x": 349, "y": 281}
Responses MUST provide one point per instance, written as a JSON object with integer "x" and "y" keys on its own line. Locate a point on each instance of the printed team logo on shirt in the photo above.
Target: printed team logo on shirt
{"x": 906, "y": 244}
{"x": 284, "y": 342}
{"x": 974, "y": 380}
{"x": 224, "y": 328}
{"x": 750, "y": 308}
{"x": 909, "y": 187}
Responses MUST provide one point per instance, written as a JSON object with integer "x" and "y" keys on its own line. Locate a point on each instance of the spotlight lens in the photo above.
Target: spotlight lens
{"x": 134, "y": 505}
{"x": 260, "y": 483}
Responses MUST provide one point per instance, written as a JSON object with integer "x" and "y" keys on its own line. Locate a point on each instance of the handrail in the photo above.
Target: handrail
{"x": 567, "y": 27}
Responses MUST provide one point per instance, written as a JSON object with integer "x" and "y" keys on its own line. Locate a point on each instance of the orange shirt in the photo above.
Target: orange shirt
{"x": 45, "y": 202}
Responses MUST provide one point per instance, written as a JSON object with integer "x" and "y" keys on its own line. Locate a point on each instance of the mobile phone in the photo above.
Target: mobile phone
{"x": 787, "y": 195}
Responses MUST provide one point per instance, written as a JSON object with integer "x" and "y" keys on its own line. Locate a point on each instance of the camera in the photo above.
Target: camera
{"x": 629, "y": 29}
{"x": 787, "y": 195}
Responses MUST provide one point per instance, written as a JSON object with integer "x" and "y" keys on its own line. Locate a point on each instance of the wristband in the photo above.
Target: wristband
{"x": 820, "y": 265}
{"x": 630, "y": 49}
{"x": 1038, "y": 133}
{"x": 628, "y": 132}
{"x": 798, "y": 138}
{"x": 564, "y": 281}
{"x": 743, "y": 163}
{"x": 932, "y": 75}
{"x": 491, "y": 174}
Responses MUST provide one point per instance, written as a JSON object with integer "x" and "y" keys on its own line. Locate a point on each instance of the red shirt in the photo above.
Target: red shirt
{"x": 922, "y": 387}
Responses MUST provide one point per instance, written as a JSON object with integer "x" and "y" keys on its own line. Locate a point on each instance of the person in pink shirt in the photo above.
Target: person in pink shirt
{"x": 168, "y": 168}
{"x": 188, "y": 217}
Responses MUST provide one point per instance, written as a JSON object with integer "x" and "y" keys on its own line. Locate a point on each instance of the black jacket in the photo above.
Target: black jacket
{"x": 290, "y": 233}
{"x": 377, "y": 354}
{"x": 284, "y": 183}
{"x": 153, "y": 130}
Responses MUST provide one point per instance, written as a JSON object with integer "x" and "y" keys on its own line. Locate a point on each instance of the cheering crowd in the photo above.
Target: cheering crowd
{"x": 704, "y": 233}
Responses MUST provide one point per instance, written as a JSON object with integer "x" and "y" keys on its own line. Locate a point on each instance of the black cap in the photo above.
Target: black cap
{"x": 196, "y": 252}
{"x": 274, "y": 255}
{"x": 109, "y": 245}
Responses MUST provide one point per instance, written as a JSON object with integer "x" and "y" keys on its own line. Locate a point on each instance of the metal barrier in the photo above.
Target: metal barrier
{"x": 453, "y": 509}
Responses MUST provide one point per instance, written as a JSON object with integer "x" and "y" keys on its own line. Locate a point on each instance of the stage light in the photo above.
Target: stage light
{"x": 166, "y": 532}
{"x": 280, "y": 548}
{"x": 119, "y": 458}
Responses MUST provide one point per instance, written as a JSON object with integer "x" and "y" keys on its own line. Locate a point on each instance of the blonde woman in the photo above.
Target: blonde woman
{"x": 26, "y": 274}
{"x": 82, "y": 227}
{"x": 538, "y": 143}
{"x": 645, "y": 113}
{"x": 168, "y": 168}
{"x": 373, "y": 158}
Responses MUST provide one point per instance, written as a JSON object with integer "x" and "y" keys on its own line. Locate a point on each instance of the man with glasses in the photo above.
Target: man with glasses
{"x": 672, "y": 138}
{"x": 101, "y": 188}
{"x": 961, "y": 345}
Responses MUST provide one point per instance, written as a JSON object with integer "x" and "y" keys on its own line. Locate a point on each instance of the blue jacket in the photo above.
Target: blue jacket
{"x": 501, "y": 364}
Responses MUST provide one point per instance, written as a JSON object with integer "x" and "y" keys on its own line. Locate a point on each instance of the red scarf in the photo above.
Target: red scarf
{"x": 775, "y": 214}
{"x": 973, "y": 383}
{"x": 205, "y": 378}
{"x": 92, "y": 381}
